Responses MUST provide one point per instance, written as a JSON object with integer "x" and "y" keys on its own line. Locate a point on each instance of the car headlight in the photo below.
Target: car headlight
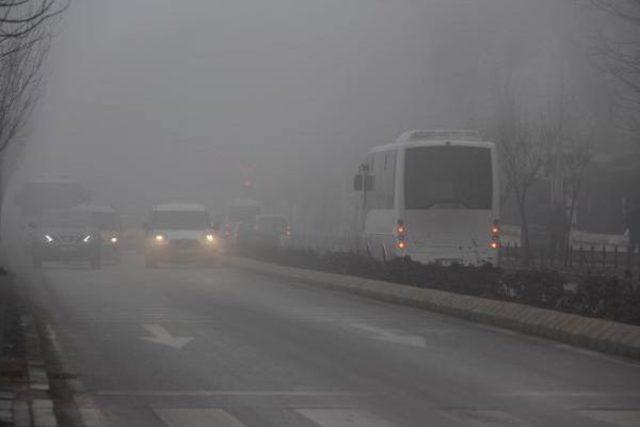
{"x": 114, "y": 240}
{"x": 159, "y": 238}
{"x": 48, "y": 238}
{"x": 86, "y": 239}
{"x": 210, "y": 238}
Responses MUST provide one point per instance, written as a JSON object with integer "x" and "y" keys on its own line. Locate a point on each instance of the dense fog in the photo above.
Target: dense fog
{"x": 152, "y": 101}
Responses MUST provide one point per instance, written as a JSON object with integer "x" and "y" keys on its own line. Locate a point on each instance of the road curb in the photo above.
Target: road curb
{"x": 27, "y": 402}
{"x": 596, "y": 334}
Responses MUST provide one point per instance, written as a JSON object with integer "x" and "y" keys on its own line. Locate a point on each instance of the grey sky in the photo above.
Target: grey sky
{"x": 153, "y": 99}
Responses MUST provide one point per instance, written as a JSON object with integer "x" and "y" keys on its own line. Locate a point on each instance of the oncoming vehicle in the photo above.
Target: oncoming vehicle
{"x": 179, "y": 233}
{"x": 107, "y": 221}
{"x": 431, "y": 196}
{"x": 65, "y": 236}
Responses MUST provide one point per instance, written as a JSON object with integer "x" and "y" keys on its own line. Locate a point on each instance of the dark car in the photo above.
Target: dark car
{"x": 107, "y": 220}
{"x": 66, "y": 236}
{"x": 271, "y": 231}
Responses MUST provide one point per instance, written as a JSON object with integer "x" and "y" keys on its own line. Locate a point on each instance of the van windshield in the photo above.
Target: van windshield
{"x": 180, "y": 220}
{"x": 448, "y": 177}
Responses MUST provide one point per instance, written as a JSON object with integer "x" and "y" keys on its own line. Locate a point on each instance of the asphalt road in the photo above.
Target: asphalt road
{"x": 185, "y": 346}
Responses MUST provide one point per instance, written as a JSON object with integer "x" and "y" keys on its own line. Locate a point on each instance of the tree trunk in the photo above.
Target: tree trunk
{"x": 525, "y": 243}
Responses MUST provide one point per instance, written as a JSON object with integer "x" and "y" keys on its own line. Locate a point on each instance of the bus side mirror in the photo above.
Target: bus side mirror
{"x": 357, "y": 183}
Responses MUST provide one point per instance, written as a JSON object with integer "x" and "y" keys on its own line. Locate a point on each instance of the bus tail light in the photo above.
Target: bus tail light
{"x": 401, "y": 233}
{"x": 495, "y": 228}
{"x": 495, "y": 235}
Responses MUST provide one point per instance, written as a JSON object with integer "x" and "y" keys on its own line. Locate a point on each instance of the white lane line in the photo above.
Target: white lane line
{"x": 223, "y": 393}
{"x": 391, "y": 336}
{"x": 163, "y": 337}
{"x": 196, "y": 417}
{"x": 485, "y": 418}
{"x": 343, "y": 418}
{"x": 619, "y": 418}
{"x": 92, "y": 417}
{"x": 89, "y": 412}
{"x": 551, "y": 393}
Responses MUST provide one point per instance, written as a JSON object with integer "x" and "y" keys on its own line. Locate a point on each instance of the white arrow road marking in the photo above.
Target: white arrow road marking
{"x": 163, "y": 337}
{"x": 391, "y": 336}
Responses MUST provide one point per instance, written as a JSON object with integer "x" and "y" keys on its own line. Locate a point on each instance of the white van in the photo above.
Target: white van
{"x": 180, "y": 232}
{"x": 432, "y": 196}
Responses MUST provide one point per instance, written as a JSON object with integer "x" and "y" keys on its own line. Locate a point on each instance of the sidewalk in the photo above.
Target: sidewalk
{"x": 24, "y": 387}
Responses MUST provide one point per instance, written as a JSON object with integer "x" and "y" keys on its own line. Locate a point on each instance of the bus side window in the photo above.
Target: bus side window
{"x": 384, "y": 172}
{"x": 389, "y": 178}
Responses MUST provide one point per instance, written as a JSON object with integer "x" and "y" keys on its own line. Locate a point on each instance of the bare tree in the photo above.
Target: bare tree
{"x": 571, "y": 154}
{"x": 19, "y": 83}
{"x": 21, "y": 18}
{"x": 617, "y": 52}
{"x": 24, "y": 41}
{"x": 574, "y": 155}
{"x": 524, "y": 144}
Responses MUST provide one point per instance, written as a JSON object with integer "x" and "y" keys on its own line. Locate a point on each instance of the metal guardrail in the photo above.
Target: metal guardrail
{"x": 579, "y": 257}
{"x": 576, "y": 257}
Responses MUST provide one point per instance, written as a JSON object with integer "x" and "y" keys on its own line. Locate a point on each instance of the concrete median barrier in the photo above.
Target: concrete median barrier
{"x": 596, "y": 334}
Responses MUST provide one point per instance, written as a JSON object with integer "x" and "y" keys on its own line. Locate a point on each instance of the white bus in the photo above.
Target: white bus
{"x": 432, "y": 196}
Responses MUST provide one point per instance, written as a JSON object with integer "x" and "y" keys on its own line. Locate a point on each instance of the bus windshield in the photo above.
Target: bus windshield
{"x": 448, "y": 177}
